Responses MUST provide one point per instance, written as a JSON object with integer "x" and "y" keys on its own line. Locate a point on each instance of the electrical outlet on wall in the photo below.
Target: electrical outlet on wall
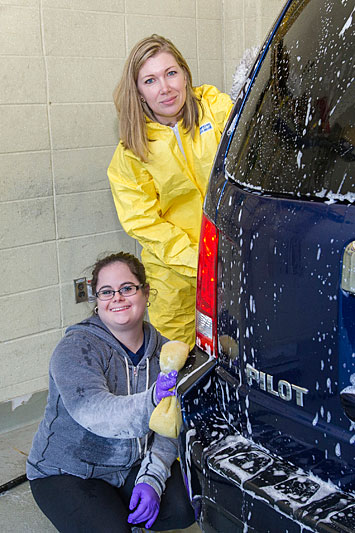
{"x": 81, "y": 290}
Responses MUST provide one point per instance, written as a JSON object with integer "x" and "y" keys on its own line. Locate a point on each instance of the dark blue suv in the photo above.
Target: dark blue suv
{"x": 268, "y": 395}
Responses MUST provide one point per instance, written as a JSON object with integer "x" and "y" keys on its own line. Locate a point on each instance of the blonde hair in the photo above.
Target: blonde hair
{"x": 131, "y": 110}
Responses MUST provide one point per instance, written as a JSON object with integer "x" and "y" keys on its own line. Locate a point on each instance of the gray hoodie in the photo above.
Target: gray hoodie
{"x": 96, "y": 422}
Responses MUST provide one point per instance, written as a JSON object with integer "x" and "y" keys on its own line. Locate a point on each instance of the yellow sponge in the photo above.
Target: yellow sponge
{"x": 166, "y": 417}
{"x": 173, "y": 356}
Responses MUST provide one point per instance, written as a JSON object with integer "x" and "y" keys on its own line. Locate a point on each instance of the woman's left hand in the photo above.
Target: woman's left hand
{"x": 145, "y": 502}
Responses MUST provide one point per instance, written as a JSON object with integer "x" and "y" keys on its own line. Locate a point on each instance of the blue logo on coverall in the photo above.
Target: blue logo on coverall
{"x": 205, "y": 127}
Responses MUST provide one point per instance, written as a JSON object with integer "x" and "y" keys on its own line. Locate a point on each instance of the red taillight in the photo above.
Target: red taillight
{"x": 206, "y": 310}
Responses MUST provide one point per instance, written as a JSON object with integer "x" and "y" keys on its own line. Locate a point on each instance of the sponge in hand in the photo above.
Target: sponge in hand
{"x": 166, "y": 417}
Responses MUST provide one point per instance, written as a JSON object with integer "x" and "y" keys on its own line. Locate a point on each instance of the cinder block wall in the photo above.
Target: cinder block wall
{"x": 246, "y": 24}
{"x": 60, "y": 61}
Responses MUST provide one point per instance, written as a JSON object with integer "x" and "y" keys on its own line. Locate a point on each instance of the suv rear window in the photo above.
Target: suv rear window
{"x": 296, "y": 132}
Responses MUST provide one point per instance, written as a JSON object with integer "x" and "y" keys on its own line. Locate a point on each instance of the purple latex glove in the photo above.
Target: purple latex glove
{"x": 145, "y": 502}
{"x": 164, "y": 383}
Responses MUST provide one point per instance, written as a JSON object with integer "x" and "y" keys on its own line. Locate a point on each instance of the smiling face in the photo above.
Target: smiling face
{"x": 121, "y": 314}
{"x": 162, "y": 84}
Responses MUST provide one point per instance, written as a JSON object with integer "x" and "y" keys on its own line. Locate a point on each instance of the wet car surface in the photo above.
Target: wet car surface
{"x": 267, "y": 398}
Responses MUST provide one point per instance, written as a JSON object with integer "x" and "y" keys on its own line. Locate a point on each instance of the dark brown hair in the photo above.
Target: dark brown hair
{"x": 135, "y": 266}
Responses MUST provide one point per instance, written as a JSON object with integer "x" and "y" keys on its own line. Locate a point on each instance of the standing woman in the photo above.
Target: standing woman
{"x": 94, "y": 465}
{"x": 169, "y": 135}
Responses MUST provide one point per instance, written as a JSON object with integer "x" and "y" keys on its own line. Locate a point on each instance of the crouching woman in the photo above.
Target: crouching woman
{"x": 94, "y": 465}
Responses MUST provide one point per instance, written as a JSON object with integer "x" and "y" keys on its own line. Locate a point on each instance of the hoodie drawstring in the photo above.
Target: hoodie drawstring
{"x": 128, "y": 379}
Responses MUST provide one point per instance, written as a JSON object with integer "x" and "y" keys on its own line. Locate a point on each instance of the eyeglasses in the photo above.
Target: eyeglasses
{"x": 125, "y": 291}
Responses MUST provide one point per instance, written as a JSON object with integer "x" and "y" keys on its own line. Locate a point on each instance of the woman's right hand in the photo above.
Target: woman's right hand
{"x": 165, "y": 385}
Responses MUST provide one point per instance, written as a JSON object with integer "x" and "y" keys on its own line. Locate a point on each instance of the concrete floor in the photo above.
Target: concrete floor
{"x": 18, "y": 511}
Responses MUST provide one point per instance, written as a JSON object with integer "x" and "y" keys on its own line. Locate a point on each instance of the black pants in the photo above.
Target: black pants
{"x": 76, "y": 505}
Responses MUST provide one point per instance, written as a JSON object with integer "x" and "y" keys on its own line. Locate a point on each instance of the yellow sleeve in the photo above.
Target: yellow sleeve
{"x": 139, "y": 212}
{"x": 219, "y": 104}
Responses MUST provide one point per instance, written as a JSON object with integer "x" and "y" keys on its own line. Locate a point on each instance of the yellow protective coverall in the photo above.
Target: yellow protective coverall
{"x": 159, "y": 203}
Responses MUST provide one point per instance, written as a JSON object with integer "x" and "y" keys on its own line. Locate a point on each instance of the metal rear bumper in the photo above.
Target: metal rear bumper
{"x": 236, "y": 485}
